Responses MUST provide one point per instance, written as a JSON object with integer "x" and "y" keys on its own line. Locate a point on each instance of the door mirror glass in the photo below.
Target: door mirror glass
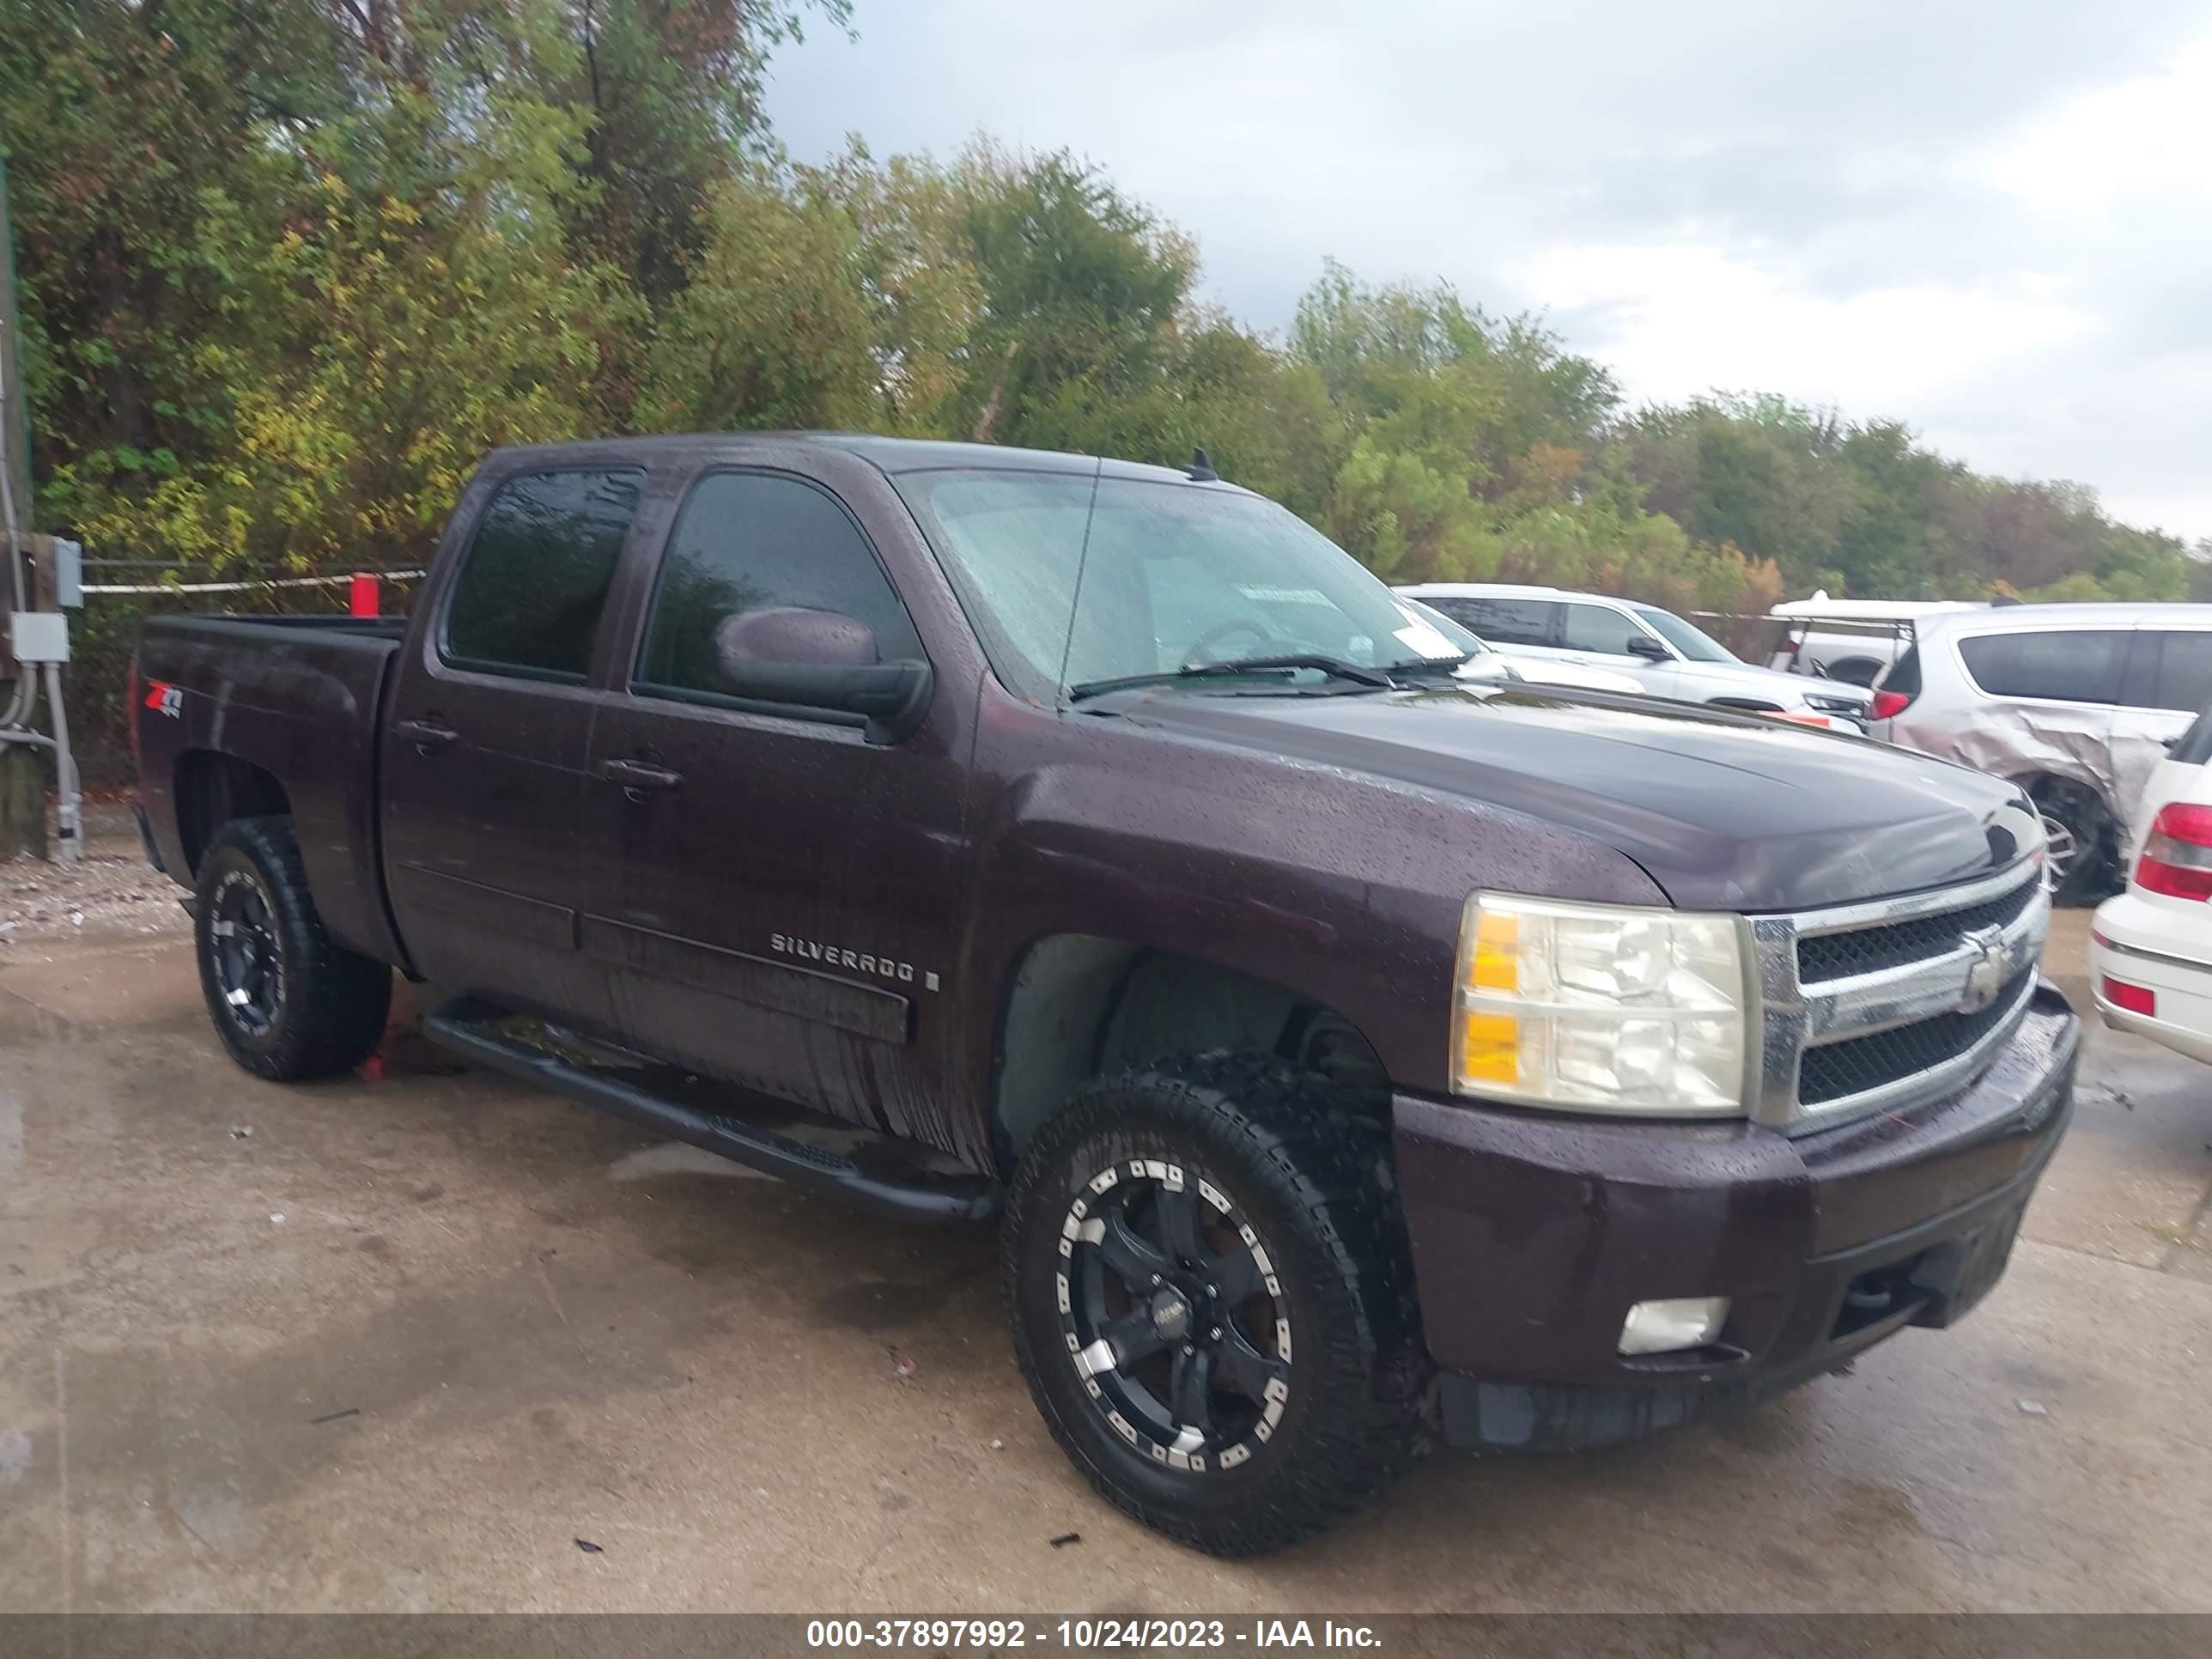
{"x": 793, "y": 635}
{"x": 1644, "y": 646}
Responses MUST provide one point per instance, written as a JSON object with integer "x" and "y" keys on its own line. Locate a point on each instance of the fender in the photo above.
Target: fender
{"x": 1344, "y": 889}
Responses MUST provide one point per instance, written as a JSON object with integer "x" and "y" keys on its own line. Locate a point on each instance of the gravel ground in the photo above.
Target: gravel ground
{"x": 112, "y": 891}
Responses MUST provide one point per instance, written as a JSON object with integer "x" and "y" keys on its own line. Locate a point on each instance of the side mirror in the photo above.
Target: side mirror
{"x": 820, "y": 660}
{"x": 1644, "y": 646}
{"x": 1487, "y": 667}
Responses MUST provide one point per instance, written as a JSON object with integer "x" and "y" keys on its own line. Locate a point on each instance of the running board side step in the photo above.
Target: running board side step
{"x": 892, "y": 1178}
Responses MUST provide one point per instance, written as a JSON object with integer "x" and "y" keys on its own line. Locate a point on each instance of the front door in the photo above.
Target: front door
{"x": 1599, "y": 636}
{"x": 775, "y": 897}
{"x": 485, "y": 746}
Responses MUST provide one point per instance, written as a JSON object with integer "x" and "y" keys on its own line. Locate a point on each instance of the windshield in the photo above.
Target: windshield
{"x": 1693, "y": 643}
{"x": 1175, "y": 575}
{"x": 1463, "y": 639}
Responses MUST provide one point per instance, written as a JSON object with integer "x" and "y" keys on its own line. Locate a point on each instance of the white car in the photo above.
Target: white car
{"x": 1665, "y": 656}
{"x": 1485, "y": 661}
{"x": 2150, "y": 947}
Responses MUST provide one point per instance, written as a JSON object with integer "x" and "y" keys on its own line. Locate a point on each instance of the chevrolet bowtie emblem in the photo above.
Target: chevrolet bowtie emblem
{"x": 1986, "y": 969}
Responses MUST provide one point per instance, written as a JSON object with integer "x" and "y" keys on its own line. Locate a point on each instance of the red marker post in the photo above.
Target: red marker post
{"x": 362, "y": 600}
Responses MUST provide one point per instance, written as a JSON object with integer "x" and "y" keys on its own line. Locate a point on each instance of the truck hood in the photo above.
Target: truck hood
{"x": 1725, "y": 812}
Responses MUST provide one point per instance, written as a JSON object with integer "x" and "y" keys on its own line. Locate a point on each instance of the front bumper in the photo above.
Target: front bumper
{"x": 2127, "y": 942}
{"x": 1534, "y": 1234}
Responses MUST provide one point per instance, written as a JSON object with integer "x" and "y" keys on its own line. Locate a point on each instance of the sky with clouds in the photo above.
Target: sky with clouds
{"x": 1992, "y": 220}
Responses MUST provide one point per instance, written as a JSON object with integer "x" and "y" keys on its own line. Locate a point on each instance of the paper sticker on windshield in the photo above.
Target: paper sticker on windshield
{"x": 1285, "y": 595}
{"x": 1424, "y": 640}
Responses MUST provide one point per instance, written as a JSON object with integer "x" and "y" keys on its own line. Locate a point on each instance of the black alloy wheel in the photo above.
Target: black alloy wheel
{"x": 1173, "y": 1316}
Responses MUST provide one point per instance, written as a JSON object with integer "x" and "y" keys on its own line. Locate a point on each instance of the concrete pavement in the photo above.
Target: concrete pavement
{"x": 402, "y": 1344}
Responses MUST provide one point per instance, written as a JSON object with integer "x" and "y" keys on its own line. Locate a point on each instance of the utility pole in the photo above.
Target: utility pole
{"x": 29, "y": 645}
{"x": 15, "y": 403}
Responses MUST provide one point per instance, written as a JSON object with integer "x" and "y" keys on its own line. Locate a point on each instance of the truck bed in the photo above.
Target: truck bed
{"x": 258, "y": 699}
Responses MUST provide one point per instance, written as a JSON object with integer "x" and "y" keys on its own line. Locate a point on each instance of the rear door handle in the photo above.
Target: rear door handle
{"x": 638, "y": 776}
{"x": 426, "y": 735}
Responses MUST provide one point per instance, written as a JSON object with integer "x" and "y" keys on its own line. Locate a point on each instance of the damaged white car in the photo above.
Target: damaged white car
{"x": 2076, "y": 703}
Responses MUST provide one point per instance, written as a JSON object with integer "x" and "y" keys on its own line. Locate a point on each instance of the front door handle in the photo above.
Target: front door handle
{"x": 638, "y": 776}
{"x": 427, "y": 736}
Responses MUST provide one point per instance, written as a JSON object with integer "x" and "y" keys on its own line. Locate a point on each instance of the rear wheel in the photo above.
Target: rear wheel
{"x": 288, "y": 1002}
{"x": 1212, "y": 1302}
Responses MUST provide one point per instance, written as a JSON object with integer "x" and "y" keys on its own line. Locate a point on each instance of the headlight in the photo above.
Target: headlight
{"x": 1600, "y": 1008}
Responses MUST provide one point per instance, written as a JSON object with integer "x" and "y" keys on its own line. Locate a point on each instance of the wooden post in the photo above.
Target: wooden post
{"x": 22, "y": 802}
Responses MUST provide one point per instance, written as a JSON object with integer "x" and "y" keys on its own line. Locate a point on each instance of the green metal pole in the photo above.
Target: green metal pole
{"x": 16, "y": 406}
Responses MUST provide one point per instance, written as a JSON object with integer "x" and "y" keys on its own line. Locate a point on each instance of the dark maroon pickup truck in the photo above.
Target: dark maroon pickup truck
{"x": 1355, "y": 1042}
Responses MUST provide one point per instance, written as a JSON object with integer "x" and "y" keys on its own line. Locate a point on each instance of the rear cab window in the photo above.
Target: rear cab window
{"x": 2047, "y": 664}
{"x": 535, "y": 577}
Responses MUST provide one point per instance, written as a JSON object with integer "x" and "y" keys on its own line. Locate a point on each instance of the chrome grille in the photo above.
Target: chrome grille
{"x": 1834, "y": 1071}
{"x": 1868, "y": 1007}
{"x": 1863, "y": 950}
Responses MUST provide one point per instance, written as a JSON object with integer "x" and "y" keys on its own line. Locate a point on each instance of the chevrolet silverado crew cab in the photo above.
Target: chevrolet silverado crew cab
{"x": 1352, "y": 1052}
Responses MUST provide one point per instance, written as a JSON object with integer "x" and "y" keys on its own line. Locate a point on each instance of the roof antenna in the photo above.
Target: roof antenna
{"x": 1201, "y": 468}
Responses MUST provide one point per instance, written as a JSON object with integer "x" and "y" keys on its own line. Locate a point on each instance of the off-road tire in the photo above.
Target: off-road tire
{"x": 329, "y": 1004}
{"x": 1309, "y": 1171}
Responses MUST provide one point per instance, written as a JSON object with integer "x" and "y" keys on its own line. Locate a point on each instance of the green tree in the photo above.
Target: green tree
{"x": 1081, "y": 287}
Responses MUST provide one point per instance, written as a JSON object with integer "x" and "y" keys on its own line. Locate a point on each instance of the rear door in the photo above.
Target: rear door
{"x": 776, "y": 898}
{"x": 2168, "y": 681}
{"x": 483, "y": 753}
{"x": 1519, "y": 627}
{"x": 2057, "y": 689}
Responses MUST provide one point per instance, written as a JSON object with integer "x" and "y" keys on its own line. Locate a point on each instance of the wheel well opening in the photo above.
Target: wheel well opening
{"x": 2091, "y": 868}
{"x": 1082, "y": 1006}
{"x": 2051, "y": 787}
{"x": 214, "y": 789}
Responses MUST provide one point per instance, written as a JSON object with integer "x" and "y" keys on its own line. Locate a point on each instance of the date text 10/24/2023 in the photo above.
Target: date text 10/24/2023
{"x": 1000, "y": 1635}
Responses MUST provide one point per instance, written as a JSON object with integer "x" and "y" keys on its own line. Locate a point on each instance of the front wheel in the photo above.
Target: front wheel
{"x": 289, "y": 1003}
{"x": 2081, "y": 841}
{"x": 1213, "y": 1301}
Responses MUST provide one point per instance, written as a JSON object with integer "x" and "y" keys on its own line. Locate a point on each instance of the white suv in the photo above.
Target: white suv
{"x": 1668, "y": 657}
{"x": 2076, "y": 703}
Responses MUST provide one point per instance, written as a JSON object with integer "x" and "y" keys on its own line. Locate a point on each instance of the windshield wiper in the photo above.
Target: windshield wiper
{"x": 1426, "y": 665}
{"x": 1335, "y": 667}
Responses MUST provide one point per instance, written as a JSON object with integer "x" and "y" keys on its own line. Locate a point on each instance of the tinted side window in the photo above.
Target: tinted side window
{"x": 2194, "y": 747}
{"x": 2073, "y": 666}
{"x": 2183, "y": 682}
{"x": 1594, "y": 627}
{"x": 1502, "y": 622}
{"x": 535, "y": 578}
{"x": 751, "y": 541}
{"x": 1903, "y": 674}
